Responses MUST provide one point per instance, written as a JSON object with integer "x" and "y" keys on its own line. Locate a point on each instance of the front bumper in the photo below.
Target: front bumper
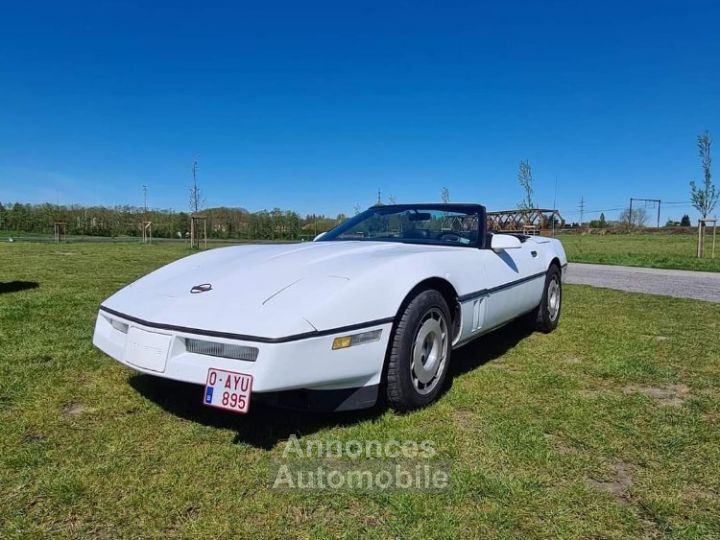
{"x": 309, "y": 363}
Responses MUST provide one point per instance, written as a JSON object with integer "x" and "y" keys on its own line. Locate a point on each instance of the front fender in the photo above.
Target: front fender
{"x": 375, "y": 295}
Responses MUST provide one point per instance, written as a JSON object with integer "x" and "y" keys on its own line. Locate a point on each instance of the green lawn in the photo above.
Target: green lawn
{"x": 651, "y": 250}
{"x": 607, "y": 428}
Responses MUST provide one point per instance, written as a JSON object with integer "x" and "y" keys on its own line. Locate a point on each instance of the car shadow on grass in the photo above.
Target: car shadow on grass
{"x": 487, "y": 348}
{"x": 265, "y": 426}
{"x": 17, "y": 286}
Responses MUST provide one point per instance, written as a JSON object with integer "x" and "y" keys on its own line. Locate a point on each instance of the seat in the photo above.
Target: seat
{"x": 416, "y": 234}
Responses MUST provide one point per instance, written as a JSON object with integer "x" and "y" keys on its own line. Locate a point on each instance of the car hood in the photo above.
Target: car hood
{"x": 263, "y": 290}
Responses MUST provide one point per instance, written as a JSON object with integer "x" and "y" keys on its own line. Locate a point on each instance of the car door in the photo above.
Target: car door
{"x": 514, "y": 279}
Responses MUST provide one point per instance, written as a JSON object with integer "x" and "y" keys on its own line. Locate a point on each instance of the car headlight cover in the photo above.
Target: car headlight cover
{"x": 119, "y": 326}
{"x": 222, "y": 350}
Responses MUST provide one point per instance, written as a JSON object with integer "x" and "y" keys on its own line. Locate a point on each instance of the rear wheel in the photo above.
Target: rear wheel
{"x": 546, "y": 316}
{"x": 419, "y": 352}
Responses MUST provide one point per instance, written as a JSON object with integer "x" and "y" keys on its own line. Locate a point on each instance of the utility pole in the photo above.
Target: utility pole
{"x": 582, "y": 210}
{"x": 658, "y": 202}
{"x": 379, "y": 201}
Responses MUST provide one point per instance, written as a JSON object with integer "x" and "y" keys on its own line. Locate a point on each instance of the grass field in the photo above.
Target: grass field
{"x": 651, "y": 250}
{"x": 607, "y": 428}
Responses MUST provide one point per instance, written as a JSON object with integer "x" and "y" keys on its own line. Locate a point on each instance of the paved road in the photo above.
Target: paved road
{"x": 679, "y": 283}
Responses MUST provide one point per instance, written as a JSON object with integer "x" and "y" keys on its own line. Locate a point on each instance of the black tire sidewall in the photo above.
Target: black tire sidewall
{"x": 402, "y": 394}
{"x": 545, "y": 322}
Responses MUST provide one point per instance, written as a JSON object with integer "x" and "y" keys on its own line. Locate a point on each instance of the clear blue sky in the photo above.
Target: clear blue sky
{"x": 312, "y": 106}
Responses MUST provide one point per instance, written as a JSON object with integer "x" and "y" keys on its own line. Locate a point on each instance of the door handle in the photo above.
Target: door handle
{"x": 533, "y": 253}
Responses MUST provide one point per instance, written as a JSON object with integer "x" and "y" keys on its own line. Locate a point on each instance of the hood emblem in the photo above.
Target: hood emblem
{"x": 203, "y": 287}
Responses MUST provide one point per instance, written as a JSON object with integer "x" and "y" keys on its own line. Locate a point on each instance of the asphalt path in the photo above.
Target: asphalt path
{"x": 678, "y": 283}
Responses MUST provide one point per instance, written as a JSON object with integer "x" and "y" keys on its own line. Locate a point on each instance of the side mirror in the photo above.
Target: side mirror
{"x": 501, "y": 242}
{"x": 319, "y": 236}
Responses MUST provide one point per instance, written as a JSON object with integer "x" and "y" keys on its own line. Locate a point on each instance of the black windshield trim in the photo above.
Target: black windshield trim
{"x": 395, "y": 208}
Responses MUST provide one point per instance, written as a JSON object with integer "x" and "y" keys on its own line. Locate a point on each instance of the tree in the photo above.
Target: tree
{"x": 685, "y": 221}
{"x": 526, "y": 180}
{"x": 196, "y": 199}
{"x": 445, "y": 195}
{"x": 598, "y": 223}
{"x": 638, "y": 218}
{"x": 704, "y": 197}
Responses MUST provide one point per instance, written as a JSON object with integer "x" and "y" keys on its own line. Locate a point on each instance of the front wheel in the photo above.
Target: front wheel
{"x": 419, "y": 352}
{"x": 546, "y": 316}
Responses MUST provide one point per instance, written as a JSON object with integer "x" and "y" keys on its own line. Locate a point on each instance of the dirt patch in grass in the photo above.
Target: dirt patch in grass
{"x": 556, "y": 444}
{"x": 617, "y": 483}
{"x": 362, "y": 515}
{"x": 463, "y": 418}
{"x": 588, "y": 393}
{"x": 75, "y": 409}
{"x": 506, "y": 367}
{"x": 301, "y": 515}
{"x": 572, "y": 360}
{"x": 672, "y": 395}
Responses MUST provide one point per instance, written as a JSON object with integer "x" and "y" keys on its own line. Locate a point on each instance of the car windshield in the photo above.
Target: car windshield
{"x": 422, "y": 225}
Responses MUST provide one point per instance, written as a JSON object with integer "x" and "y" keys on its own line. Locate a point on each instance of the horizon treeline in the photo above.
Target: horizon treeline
{"x": 127, "y": 221}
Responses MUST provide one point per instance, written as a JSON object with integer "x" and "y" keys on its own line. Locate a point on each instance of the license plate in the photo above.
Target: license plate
{"x": 228, "y": 390}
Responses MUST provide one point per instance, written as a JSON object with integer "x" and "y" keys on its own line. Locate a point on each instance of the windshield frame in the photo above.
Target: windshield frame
{"x": 477, "y": 209}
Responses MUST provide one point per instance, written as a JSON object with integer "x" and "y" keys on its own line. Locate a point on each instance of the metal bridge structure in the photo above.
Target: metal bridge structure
{"x": 526, "y": 221}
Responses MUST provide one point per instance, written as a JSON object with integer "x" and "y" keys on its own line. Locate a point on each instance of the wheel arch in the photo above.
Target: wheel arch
{"x": 446, "y": 289}
{"x": 443, "y": 286}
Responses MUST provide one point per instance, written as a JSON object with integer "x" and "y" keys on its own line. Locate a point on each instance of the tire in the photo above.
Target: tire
{"x": 546, "y": 316}
{"x": 419, "y": 352}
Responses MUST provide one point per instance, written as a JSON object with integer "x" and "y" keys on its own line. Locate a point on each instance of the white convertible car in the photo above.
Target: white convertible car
{"x": 371, "y": 309}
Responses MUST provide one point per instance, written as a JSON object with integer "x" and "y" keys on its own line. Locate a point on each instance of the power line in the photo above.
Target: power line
{"x": 620, "y": 208}
{"x": 657, "y": 202}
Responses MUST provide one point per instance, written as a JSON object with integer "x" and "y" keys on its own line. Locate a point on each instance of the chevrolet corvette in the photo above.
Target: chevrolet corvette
{"x": 369, "y": 310}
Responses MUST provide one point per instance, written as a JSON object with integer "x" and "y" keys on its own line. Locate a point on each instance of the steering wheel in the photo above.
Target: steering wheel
{"x": 451, "y": 236}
